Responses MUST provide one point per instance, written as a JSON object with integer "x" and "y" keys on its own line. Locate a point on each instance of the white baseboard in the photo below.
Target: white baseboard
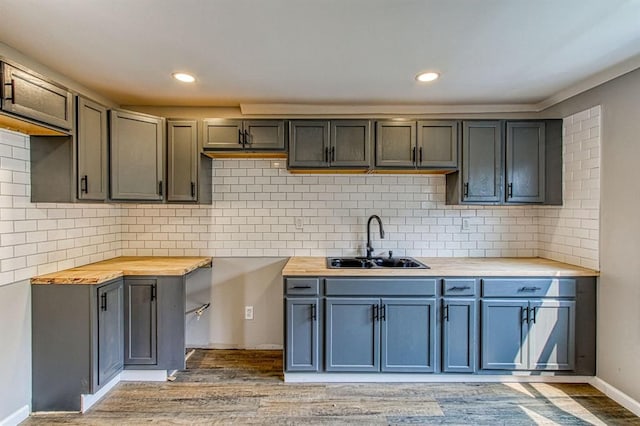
{"x": 87, "y": 400}
{"x": 16, "y": 417}
{"x": 267, "y": 346}
{"x": 617, "y": 395}
{"x": 143, "y": 375}
{"x": 428, "y": 378}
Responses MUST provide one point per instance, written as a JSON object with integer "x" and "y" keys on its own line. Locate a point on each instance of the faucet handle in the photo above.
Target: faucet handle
{"x": 390, "y": 254}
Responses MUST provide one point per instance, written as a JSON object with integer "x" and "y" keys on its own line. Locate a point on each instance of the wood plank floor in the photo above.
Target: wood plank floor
{"x": 246, "y": 387}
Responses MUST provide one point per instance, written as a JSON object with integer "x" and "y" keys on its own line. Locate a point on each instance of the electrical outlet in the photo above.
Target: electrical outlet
{"x": 248, "y": 312}
{"x": 299, "y": 223}
{"x": 465, "y": 224}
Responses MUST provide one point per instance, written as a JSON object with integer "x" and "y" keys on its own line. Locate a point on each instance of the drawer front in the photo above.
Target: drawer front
{"x": 460, "y": 287}
{"x": 381, "y": 286}
{"x": 302, "y": 286}
{"x": 528, "y": 287}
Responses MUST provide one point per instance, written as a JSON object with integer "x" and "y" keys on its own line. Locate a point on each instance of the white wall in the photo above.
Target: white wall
{"x": 619, "y": 286}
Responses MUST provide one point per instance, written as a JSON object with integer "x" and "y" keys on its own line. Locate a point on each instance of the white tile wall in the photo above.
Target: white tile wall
{"x": 41, "y": 238}
{"x": 256, "y": 204}
{"x": 571, "y": 233}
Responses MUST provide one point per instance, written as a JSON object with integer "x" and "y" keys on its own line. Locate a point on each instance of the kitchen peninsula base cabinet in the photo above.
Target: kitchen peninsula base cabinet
{"x": 502, "y": 326}
{"x": 77, "y": 342}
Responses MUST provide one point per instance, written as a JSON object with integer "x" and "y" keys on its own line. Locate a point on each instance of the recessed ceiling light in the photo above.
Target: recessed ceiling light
{"x": 183, "y": 77}
{"x": 427, "y": 76}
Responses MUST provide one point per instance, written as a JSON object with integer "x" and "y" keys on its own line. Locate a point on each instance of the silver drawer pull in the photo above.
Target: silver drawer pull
{"x": 456, "y": 288}
{"x": 529, "y": 289}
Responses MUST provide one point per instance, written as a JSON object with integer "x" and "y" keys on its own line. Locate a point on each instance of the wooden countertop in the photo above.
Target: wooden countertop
{"x": 447, "y": 266}
{"x": 99, "y": 272}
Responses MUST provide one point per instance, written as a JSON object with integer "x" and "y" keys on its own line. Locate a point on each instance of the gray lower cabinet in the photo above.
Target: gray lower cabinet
{"x": 137, "y": 156}
{"x": 77, "y": 342}
{"x": 154, "y": 336}
{"x": 141, "y": 321}
{"x": 528, "y": 334}
{"x": 92, "y": 145}
{"x": 334, "y": 143}
{"x": 238, "y": 135}
{"x": 459, "y": 335}
{"x": 26, "y": 94}
{"x": 302, "y": 334}
{"x": 389, "y": 334}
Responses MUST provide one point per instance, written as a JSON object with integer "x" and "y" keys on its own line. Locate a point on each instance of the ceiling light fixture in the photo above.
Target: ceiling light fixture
{"x": 183, "y": 77}
{"x": 427, "y": 76}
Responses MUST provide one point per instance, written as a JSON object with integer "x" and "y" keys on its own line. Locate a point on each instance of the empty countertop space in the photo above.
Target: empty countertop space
{"x": 106, "y": 270}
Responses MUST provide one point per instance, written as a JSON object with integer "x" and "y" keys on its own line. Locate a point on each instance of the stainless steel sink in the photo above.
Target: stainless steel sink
{"x": 374, "y": 263}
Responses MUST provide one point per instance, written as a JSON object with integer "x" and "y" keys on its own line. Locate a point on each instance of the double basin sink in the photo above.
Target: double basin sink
{"x": 374, "y": 263}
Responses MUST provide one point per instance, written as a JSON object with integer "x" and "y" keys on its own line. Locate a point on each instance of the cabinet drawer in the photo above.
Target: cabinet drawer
{"x": 528, "y": 287}
{"x": 304, "y": 286}
{"x": 460, "y": 287}
{"x": 380, "y": 287}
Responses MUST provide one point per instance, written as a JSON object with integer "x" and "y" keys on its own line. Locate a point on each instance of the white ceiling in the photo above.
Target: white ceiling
{"x": 341, "y": 52}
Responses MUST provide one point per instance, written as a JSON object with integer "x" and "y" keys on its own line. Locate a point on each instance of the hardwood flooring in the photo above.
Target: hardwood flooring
{"x": 246, "y": 387}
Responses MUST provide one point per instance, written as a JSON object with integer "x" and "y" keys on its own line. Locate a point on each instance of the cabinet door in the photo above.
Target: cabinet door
{"x": 309, "y": 144}
{"x": 350, "y": 143}
{"x": 408, "y": 333}
{"x": 504, "y": 333}
{"x": 396, "y": 144}
{"x": 302, "y": 334}
{"x": 140, "y": 321}
{"x": 110, "y": 332}
{"x": 32, "y": 97}
{"x": 459, "y": 335}
{"x": 352, "y": 334}
{"x": 92, "y": 150}
{"x": 264, "y": 134}
{"x": 223, "y": 134}
{"x": 525, "y": 165}
{"x": 552, "y": 335}
{"x": 438, "y": 144}
{"x": 482, "y": 161}
{"x": 182, "y": 160}
{"x": 137, "y": 156}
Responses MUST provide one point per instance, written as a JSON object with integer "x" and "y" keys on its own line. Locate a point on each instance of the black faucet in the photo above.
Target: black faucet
{"x": 369, "y": 248}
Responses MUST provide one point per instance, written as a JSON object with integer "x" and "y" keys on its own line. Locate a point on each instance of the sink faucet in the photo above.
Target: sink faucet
{"x": 369, "y": 248}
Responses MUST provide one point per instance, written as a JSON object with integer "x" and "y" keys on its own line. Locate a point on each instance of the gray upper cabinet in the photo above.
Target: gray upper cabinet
{"x": 437, "y": 144}
{"x": 309, "y": 144}
{"x": 421, "y": 144}
{"x": 525, "y": 162}
{"x": 252, "y": 135}
{"x": 182, "y": 160}
{"x": 28, "y": 95}
{"x": 137, "y": 156}
{"x": 396, "y": 144}
{"x": 482, "y": 161}
{"x": 92, "y": 145}
{"x": 110, "y": 332}
{"x": 335, "y": 143}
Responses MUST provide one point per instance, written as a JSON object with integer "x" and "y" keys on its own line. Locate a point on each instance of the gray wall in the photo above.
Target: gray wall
{"x": 619, "y": 287}
{"x": 238, "y": 282}
{"x": 15, "y": 347}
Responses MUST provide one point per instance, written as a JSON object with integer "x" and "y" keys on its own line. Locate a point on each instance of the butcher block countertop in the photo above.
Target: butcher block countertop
{"x": 100, "y": 272}
{"x": 446, "y": 267}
